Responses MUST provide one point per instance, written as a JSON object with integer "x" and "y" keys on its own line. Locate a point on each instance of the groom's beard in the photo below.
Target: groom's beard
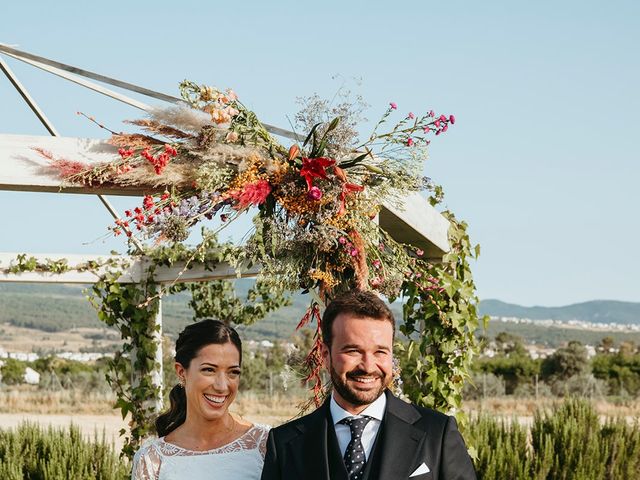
{"x": 356, "y": 397}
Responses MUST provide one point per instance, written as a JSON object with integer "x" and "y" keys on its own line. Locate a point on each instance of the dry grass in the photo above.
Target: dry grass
{"x": 525, "y": 407}
{"x": 21, "y": 339}
{"x": 31, "y": 400}
{"x": 260, "y": 408}
{"x": 274, "y": 410}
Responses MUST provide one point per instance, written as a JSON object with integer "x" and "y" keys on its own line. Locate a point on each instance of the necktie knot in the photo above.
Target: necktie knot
{"x": 356, "y": 424}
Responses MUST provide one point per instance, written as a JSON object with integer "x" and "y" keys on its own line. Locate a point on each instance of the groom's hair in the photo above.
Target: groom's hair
{"x": 359, "y": 304}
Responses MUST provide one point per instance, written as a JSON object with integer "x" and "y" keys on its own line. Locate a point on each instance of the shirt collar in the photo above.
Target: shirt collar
{"x": 374, "y": 410}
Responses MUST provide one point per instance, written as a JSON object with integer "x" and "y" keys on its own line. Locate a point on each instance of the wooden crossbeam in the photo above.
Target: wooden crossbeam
{"x": 414, "y": 222}
{"x": 134, "y": 271}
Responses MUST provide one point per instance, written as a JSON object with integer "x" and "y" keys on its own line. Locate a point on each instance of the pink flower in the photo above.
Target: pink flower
{"x": 342, "y": 240}
{"x": 432, "y": 113}
{"x": 419, "y": 252}
{"x": 452, "y": 119}
{"x": 377, "y": 263}
{"x": 444, "y": 129}
{"x": 426, "y": 129}
{"x": 437, "y": 123}
{"x": 393, "y": 105}
{"x": 411, "y": 115}
{"x": 354, "y": 252}
{"x": 409, "y": 142}
{"x": 314, "y": 193}
{"x": 443, "y": 118}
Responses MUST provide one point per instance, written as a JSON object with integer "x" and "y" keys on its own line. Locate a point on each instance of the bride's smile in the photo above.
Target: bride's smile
{"x": 211, "y": 382}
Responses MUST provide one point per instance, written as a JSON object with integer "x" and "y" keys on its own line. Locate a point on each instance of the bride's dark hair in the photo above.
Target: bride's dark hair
{"x": 190, "y": 341}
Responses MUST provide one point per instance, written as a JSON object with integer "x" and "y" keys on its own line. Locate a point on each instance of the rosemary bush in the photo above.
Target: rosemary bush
{"x": 566, "y": 443}
{"x": 32, "y": 452}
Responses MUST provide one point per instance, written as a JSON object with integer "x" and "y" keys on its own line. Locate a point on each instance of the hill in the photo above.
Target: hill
{"x": 596, "y": 311}
{"x": 57, "y": 308}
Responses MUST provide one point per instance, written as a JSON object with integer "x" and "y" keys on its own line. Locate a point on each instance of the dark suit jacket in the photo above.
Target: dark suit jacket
{"x": 307, "y": 449}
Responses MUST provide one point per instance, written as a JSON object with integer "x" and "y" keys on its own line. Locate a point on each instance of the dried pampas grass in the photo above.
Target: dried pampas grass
{"x": 175, "y": 174}
{"x": 155, "y": 127}
{"x": 181, "y": 117}
{"x": 133, "y": 140}
{"x": 227, "y": 154}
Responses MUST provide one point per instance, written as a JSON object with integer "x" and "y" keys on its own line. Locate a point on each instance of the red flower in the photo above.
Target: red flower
{"x": 347, "y": 189}
{"x": 315, "y": 167}
{"x": 252, "y": 194}
{"x": 125, "y": 153}
{"x": 147, "y": 203}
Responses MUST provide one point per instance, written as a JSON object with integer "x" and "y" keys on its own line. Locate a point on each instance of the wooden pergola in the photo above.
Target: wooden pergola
{"x": 414, "y": 222}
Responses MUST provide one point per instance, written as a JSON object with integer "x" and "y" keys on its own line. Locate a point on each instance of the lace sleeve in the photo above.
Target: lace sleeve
{"x": 262, "y": 442}
{"x": 146, "y": 463}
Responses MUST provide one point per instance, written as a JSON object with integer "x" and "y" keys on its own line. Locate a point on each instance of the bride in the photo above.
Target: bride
{"x": 198, "y": 438}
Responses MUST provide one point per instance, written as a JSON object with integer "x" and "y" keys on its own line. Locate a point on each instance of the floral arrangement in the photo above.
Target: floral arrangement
{"x": 316, "y": 200}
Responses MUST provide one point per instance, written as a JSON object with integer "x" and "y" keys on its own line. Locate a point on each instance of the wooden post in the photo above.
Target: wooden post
{"x": 155, "y": 374}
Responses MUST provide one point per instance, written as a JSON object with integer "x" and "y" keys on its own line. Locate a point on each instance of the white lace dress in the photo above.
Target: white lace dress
{"x": 241, "y": 459}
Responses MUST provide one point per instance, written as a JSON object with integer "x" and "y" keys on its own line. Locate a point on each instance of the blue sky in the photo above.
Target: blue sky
{"x": 541, "y": 161}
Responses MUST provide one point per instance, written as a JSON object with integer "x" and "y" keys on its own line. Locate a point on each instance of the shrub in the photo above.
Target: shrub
{"x": 12, "y": 372}
{"x": 566, "y": 443}
{"x": 31, "y": 452}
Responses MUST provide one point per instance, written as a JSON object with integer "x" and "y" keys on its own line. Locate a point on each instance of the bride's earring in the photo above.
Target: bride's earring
{"x": 181, "y": 382}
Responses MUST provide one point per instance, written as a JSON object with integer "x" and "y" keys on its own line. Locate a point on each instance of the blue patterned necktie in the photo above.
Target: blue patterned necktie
{"x": 354, "y": 458}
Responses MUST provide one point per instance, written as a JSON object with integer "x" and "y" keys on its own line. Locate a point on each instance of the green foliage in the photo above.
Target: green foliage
{"x": 440, "y": 320}
{"x": 566, "y": 362}
{"x": 566, "y": 443}
{"x": 132, "y": 309}
{"x": 31, "y": 452}
{"x": 620, "y": 371}
{"x": 516, "y": 369}
{"x": 218, "y": 299}
{"x": 12, "y": 372}
{"x": 502, "y": 449}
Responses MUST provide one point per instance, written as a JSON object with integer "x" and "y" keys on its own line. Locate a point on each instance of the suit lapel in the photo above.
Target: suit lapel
{"x": 313, "y": 448}
{"x": 400, "y": 439}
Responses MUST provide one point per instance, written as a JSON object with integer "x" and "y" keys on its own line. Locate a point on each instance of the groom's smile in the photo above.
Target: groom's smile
{"x": 360, "y": 360}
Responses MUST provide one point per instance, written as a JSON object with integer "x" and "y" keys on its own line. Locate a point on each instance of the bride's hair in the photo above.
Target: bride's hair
{"x": 190, "y": 341}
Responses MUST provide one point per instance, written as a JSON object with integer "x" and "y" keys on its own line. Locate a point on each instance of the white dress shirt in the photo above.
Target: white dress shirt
{"x": 343, "y": 432}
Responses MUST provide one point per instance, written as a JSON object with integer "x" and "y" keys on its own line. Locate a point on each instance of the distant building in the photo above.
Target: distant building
{"x": 31, "y": 376}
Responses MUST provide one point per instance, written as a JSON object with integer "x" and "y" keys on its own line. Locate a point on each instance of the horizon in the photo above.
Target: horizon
{"x": 540, "y": 163}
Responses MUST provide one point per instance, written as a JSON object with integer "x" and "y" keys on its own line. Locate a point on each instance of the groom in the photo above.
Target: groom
{"x": 363, "y": 432}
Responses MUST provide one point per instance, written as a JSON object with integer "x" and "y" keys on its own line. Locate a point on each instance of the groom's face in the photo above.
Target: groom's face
{"x": 360, "y": 360}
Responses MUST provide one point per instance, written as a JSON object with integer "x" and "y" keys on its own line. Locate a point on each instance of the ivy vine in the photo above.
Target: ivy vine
{"x": 440, "y": 317}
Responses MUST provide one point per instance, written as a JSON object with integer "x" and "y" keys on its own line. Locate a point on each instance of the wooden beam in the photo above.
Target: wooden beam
{"x": 417, "y": 223}
{"x": 24, "y": 170}
{"x": 413, "y": 222}
{"x": 133, "y": 271}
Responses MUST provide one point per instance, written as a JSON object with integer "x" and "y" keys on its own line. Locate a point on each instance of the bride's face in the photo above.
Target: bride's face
{"x": 212, "y": 380}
